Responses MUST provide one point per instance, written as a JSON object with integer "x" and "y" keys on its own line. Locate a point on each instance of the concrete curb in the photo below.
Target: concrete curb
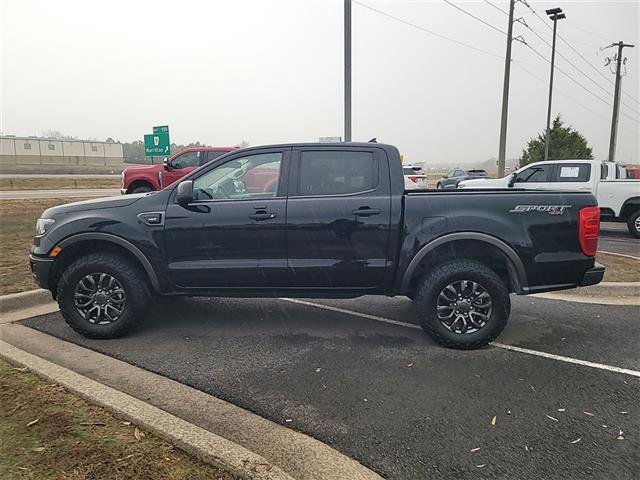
{"x": 30, "y": 298}
{"x": 300, "y": 456}
{"x": 197, "y": 441}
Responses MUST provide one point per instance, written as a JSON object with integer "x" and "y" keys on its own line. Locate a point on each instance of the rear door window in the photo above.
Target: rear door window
{"x": 337, "y": 172}
{"x": 212, "y": 155}
{"x": 572, "y": 172}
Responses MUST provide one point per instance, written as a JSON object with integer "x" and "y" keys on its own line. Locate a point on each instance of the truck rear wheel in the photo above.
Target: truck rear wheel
{"x": 102, "y": 295}
{"x": 463, "y": 304}
{"x": 633, "y": 224}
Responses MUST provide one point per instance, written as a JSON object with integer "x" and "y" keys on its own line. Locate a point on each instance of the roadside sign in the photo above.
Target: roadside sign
{"x": 330, "y": 139}
{"x": 161, "y": 129}
{"x": 156, "y": 145}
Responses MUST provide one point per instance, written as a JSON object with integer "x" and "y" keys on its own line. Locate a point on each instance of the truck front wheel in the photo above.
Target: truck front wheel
{"x": 633, "y": 224}
{"x": 102, "y": 295}
{"x": 463, "y": 304}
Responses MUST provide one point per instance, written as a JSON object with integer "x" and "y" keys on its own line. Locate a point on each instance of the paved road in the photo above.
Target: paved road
{"x": 70, "y": 192}
{"x": 388, "y": 396}
{"x": 614, "y": 237}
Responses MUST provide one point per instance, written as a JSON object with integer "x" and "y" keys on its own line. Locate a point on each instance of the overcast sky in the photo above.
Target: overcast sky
{"x": 271, "y": 71}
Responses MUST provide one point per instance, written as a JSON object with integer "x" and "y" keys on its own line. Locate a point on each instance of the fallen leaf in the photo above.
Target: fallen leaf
{"x": 605, "y": 426}
{"x": 126, "y": 424}
{"x": 620, "y": 435}
{"x": 125, "y": 458}
{"x": 33, "y": 422}
{"x": 138, "y": 434}
{"x": 562, "y": 409}
{"x": 288, "y": 420}
{"x": 410, "y": 364}
{"x": 526, "y": 448}
{"x": 22, "y": 369}
{"x": 624, "y": 413}
{"x": 493, "y": 421}
{"x": 552, "y": 418}
{"x": 318, "y": 369}
{"x": 533, "y": 388}
{"x": 323, "y": 385}
{"x": 576, "y": 440}
{"x": 365, "y": 400}
{"x": 475, "y": 449}
{"x": 39, "y": 449}
{"x": 588, "y": 414}
{"x": 480, "y": 466}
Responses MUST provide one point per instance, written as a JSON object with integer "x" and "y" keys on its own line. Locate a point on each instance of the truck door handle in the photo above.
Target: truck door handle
{"x": 261, "y": 216}
{"x": 366, "y": 211}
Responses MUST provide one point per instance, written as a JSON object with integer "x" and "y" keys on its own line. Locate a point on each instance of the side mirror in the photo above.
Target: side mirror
{"x": 512, "y": 180}
{"x": 167, "y": 165}
{"x": 184, "y": 194}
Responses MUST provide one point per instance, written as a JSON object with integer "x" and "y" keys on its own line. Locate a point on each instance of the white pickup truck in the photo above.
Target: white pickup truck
{"x": 618, "y": 197}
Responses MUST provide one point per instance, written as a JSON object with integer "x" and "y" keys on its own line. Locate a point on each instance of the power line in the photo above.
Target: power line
{"x": 418, "y": 27}
{"x": 581, "y": 56}
{"x": 542, "y": 80}
{"x": 497, "y": 7}
{"x": 595, "y": 35}
{"x": 605, "y": 90}
{"x": 578, "y": 83}
{"x": 477, "y": 18}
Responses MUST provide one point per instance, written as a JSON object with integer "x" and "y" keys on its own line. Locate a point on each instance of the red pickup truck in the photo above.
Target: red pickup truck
{"x": 147, "y": 178}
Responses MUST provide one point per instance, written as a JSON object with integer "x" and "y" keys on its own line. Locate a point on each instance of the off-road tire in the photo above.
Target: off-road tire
{"x": 442, "y": 275}
{"x": 631, "y": 224}
{"x": 130, "y": 277}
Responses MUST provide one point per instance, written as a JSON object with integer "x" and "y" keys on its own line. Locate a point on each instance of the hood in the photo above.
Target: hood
{"x": 142, "y": 169}
{"x": 94, "y": 204}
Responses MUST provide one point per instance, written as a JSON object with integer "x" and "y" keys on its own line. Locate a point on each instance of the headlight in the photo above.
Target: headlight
{"x": 43, "y": 224}
{"x": 461, "y": 185}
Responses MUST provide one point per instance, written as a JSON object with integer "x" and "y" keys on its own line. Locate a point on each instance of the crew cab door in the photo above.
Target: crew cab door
{"x": 535, "y": 177}
{"x": 232, "y": 236}
{"x": 338, "y": 218}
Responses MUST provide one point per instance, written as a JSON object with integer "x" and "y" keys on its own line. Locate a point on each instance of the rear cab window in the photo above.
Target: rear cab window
{"x": 326, "y": 172}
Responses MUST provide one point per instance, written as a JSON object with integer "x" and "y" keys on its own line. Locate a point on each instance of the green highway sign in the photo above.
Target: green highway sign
{"x": 156, "y": 145}
{"x": 161, "y": 129}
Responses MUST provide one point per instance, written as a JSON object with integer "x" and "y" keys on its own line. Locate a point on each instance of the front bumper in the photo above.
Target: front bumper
{"x": 40, "y": 269}
{"x": 593, "y": 276}
{"x": 123, "y": 191}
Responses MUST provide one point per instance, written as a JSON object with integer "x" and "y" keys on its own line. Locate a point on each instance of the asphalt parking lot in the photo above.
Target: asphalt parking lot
{"x": 385, "y": 394}
{"x": 614, "y": 237}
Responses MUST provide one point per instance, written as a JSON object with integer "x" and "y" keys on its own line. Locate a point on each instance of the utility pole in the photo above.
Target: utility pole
{"x": 616, "y": 100}
{"x": 347, "y": 70}
{"x": 505, "y": 94}
{"x": 555, "y": 14}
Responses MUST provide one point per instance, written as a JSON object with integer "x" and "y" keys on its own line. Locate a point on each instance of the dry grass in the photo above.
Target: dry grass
{"x": 74, "y": 440}
{"x": 620, "y": 269}
{"x": 17, "y": 227}
{"x": 57, "y": 183}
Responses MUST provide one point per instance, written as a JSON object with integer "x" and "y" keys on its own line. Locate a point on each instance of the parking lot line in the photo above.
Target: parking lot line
{"x": 551, "y": 356}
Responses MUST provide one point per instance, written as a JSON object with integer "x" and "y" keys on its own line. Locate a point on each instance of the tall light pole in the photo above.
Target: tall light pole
{"x": 616, "y": 101}
{"x": 505, "y": 95}
{"x": 555, "y": 14}
{"x": 347, "y": 70}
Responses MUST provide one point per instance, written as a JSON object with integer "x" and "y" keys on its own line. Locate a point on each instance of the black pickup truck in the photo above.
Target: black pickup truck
{"x": 316, "y": 220}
